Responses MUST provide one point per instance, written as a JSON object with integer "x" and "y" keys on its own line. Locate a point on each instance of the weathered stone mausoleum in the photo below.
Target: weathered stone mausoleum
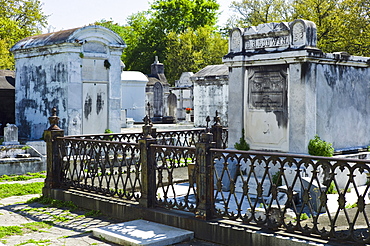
{"x": 283, "y": 90}
{"x": 78, "y": 71}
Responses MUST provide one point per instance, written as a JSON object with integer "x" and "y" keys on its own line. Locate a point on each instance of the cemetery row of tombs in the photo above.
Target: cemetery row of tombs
{"x": 275, "y": 84}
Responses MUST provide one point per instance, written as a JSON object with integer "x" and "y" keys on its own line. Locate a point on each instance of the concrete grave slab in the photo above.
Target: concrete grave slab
{"x": 142, "y": 232}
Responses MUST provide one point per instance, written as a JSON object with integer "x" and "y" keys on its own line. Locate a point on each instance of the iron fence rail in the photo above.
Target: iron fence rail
{"x": 166, "y": 137}
{"x": 104, "y": 167}
{"x": 317, "y": 196}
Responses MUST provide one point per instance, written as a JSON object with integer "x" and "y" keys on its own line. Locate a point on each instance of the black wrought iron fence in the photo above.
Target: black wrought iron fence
{"x": 316, "y": 196}
{"x": 175, "y": 177}
{"x": 184, "y": 138}
{"x": 104, "y": 167}
{"x": 326, "y": 197}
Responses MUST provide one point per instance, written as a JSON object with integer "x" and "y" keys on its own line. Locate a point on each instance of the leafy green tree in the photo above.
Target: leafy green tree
{"x": 192, "y": 50}
{"x": 254, "y": 12}
{"x": 151, "y": 33}
{"x": 179, "y": 15}
{"x": 354, "y": 31}
{"x": 18, "y": 19}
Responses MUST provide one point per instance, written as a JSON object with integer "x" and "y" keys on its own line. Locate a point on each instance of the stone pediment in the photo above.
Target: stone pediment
{"x": 272, "y": 37}
{"x": 88, "y": 36}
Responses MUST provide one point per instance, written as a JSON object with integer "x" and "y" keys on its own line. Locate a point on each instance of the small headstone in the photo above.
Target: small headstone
{"x": 231, "y": 169}
{"x": 315, "y": 193}
{"x": 10, "y": 134}
{"x": 253, "y": 185}
{"x": 142, "y": 232}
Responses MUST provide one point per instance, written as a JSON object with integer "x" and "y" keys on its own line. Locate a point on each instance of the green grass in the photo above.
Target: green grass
{"x": 27, "y": 176}
{"x": 24, "y": 228}
{"x": 10, "y": 231}
{"x": 7, "y": 190}
{"x": 53, "y": 203}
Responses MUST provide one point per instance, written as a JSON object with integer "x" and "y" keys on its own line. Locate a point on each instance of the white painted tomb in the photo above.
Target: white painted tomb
{"x": 78, "y": 71}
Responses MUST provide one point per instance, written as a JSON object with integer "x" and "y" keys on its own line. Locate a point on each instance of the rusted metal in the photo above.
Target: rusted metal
{"x": 148, "y": 172}
{"x": 54, "y": 120}
{"x": 53, "y": 177}
{"x": 206, "y": 207}
{"x": 105, "y": 167}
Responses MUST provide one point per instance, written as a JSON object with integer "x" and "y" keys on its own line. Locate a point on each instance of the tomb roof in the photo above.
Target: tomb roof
{"x": 75, "y": 35}
{"x": 212, "y": 71}
{"x": 7, "y": 80}
{"x": 152, "y": 80}
{"x": 133, "y": 76}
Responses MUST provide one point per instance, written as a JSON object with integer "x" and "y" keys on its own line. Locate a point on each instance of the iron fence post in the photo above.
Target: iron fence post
{"x": 147, "y": 157}
{"x": 204, "y": 179}
{"x": 53, "y": 162}
{"x": 217, "y": 132}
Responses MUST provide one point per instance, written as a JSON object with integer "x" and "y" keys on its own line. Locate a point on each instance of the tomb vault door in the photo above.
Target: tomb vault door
{"x": 266, "y": 108}
{"x": 172, "y": 105}
{"x": 95, "y": 108}
{"x": 158, "y": 100}
{"x": 95, "y": 96}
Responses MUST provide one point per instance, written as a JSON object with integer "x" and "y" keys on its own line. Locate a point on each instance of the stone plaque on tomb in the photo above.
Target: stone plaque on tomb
{"x": 172, "y": 104}
{"x": 267, "y": 88}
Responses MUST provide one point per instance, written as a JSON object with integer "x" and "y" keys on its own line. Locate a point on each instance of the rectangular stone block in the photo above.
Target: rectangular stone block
{"x": 142, "y": 232}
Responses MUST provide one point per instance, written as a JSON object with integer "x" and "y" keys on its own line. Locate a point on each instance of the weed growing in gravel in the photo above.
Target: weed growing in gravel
{"x": 34, "y": 242}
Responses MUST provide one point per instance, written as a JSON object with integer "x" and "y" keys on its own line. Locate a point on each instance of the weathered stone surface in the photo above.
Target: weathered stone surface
{"x": 283, "y": 90}
{"x": 10, "y": 134}
{"x": 58, "y": 69}
{"x": 211, "y": 94}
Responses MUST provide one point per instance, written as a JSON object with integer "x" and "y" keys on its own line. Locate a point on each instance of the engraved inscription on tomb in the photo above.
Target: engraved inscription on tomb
{"x": 267, "y": 42}
{"x": 267, "y": 88}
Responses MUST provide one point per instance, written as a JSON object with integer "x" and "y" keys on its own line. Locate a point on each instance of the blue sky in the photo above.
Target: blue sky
{"x": 68, "y": 14}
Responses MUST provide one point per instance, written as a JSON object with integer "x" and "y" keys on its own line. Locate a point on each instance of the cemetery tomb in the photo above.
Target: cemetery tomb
{"x": 157, "y": 92}
{"x": 133, "y": 94}
{"x": 78, "y": 71}
{"x": 283, "y": 90}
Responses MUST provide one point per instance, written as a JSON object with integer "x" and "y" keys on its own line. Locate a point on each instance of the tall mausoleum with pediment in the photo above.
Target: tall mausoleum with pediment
{"x": 78, "y": 71}
{"x": 283, "y": 90}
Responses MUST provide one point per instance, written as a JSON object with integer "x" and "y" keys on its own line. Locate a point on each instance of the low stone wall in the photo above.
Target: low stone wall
{"x": 219, "y": 231}
{"x": 11, "y": 166}
{"x": 20, "y": 159}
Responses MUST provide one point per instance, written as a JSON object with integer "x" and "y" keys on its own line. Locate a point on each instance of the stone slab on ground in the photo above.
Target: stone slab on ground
{"x": 142, "y": 232}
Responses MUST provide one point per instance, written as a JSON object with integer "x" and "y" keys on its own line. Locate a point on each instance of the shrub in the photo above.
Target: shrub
{"x": 276, "y": 179}
{"x": 319, "y": 147}
{"x": 242, "y": 145}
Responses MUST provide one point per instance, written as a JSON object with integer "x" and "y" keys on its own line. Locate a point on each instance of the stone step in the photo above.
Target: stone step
{"x": 142, "y": 232}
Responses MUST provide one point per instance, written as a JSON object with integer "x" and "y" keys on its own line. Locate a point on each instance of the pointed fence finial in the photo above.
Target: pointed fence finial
{"x": 208, "y": 119}
{"x": 54, "y": 120}
{"x": 217, "y": 119}
{"x": 147, "y": 121}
